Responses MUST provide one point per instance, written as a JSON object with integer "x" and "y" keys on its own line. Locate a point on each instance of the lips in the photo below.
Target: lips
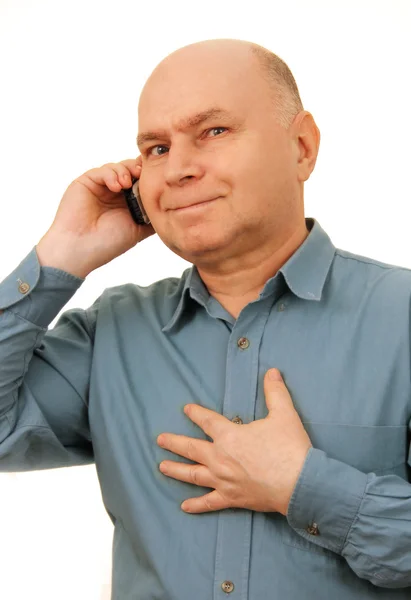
{"x": 197, "y": 203}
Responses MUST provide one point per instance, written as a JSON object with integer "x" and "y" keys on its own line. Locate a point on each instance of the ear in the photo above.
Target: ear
{"x": 307, "y": 138}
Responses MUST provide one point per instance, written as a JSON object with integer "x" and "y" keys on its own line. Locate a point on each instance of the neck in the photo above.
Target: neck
{"x": 239, "y": 280}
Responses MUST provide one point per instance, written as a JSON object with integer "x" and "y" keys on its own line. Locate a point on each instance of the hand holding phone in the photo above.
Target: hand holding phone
{"x": 92, "y": 224}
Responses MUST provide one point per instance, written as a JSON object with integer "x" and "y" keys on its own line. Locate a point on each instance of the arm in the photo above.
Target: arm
{"x": 44, "y": 375}
{"x": 363, "y": 517}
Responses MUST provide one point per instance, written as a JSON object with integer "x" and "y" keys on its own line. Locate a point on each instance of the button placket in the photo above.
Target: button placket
{"x": 234, "y": 531}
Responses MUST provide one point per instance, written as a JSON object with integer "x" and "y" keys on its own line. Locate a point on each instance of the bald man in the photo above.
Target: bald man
{"x": 248, "y": 420}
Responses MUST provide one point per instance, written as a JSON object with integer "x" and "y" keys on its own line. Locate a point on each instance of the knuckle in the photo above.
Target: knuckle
{"x": 224, "y": 472}
{"x": 231, "y": 436}
{"x": 194, "y": 474}
{"x": 234, "y": 494}
{"x": 115, "y": 169}
{"x": 105, "y": 170}
{"x": 190, "y": 449}
{"x": 122, "y": 169}
{"x": 109, "y": 168}
{"x": 224, "y": 468}
{"x": 208, "y": 503}
{"x": 206, "y": 423}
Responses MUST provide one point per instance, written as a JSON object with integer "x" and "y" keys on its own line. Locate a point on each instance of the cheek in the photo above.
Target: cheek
{"x": 247, "y": 167}
{"x": 149, "y": 193}
{"x": 246, "y": 178}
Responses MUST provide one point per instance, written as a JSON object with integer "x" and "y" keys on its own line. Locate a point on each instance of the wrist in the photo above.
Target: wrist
{"x": 294, "y": 474}
{"x": 61, "y": 255}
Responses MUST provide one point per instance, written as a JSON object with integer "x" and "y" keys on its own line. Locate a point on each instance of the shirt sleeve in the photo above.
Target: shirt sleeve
{"x": 363, "y": 517}
{"x": 44, "y": 375}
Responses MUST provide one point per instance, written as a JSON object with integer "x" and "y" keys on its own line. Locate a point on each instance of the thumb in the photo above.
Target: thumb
{"x": 274, "y": 389}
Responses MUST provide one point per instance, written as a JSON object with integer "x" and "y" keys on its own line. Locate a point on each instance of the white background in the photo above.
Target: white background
{"x": 71, "y": 73}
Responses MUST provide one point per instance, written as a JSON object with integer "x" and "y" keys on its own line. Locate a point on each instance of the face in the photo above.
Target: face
{"x": 219, "y": 175}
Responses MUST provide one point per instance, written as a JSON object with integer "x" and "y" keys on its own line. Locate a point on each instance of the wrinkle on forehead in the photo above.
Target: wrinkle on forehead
{"x": 184, "y": 123}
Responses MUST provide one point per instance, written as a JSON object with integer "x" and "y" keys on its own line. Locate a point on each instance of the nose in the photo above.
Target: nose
{"x": 182, "y": 165}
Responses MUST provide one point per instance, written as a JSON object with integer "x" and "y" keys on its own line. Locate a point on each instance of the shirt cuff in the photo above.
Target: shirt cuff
{"x": 37, "y": 293}
{"x": 326, "y": 499}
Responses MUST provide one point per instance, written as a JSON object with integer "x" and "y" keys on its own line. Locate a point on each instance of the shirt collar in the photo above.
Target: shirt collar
{"x": 306, "y": 270}
{"x": 305, "y": 273}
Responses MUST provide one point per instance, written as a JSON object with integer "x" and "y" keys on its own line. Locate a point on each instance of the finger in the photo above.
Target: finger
{"x": 123, "y": 172}
{"x": 208, "y": 503}
{"x": 130, "y": 162}
{"x": 107, "y": 176}
{"x": 195, "y": 474}
{"x": 134, "y": 165}
{"x": 196, "y": 450}
{"x": 276, "y": 392}
{"x": 211, "y": 423}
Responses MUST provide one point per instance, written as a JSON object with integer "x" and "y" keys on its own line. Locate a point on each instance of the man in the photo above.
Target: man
{"x": 248, "y": 421}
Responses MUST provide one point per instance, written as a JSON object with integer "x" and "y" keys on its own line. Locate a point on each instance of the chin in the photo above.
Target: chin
{"x": 192, "y": 247}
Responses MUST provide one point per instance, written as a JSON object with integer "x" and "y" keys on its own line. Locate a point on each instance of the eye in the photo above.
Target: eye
{"x": 151, "y": 150}
{"x": 219, "y": 129}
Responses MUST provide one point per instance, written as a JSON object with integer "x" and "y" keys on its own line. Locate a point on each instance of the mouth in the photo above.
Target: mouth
{"x": 194, "y": 206}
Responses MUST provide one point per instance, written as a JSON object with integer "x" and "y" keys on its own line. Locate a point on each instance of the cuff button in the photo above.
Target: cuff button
{"x": 313, "y": 529}
{"x": 24, "y": 288}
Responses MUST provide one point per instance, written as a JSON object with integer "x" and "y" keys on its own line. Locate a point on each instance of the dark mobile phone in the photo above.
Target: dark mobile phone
{"x": 136, "y": 208}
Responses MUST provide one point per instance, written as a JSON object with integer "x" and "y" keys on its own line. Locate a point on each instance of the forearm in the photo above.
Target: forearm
{"x": 29, "y": 302}
{"x": 53, "y": 251}
{"x": 43, "y": 411}
{"x": 364, "y": 517}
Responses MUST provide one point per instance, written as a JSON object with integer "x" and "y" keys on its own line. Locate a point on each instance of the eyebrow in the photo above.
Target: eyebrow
{"x": 187, "y": 123}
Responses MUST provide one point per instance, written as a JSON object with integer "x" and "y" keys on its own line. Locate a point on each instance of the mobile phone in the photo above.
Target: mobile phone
{"x": 134, "y": 203}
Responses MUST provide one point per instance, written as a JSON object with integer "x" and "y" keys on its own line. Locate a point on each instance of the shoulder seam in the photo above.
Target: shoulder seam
{"x": 92, "y": 329}
{"x": 370, "y": 261}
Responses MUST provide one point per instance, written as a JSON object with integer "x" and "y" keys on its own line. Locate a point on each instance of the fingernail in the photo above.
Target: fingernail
{"x": 274, "y": 375}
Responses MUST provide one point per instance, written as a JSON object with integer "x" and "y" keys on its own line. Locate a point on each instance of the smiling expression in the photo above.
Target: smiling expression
{"x": 219, "y": 174}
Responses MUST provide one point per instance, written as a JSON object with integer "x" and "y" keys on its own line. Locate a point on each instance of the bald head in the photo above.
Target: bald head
{"x": 235, "y": 55}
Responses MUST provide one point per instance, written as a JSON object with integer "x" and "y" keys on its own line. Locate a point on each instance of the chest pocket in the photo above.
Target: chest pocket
{"x": 374, "y": 449}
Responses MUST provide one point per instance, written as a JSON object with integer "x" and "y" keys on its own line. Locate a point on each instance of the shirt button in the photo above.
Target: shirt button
{"x": 281, "y": 307}
{"x": 24, "y": 288}
{"x": 237, "y": 420}
{"x": 227, "y": 586}
{"x": 243, "y": 343}
{"x": 313, "y": 529}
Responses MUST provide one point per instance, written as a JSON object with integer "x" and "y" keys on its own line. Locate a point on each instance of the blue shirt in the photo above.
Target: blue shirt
{"x": 106, "y": 381}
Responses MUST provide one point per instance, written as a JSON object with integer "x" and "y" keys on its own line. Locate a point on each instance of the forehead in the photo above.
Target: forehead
{"x": 181, "y": 89}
